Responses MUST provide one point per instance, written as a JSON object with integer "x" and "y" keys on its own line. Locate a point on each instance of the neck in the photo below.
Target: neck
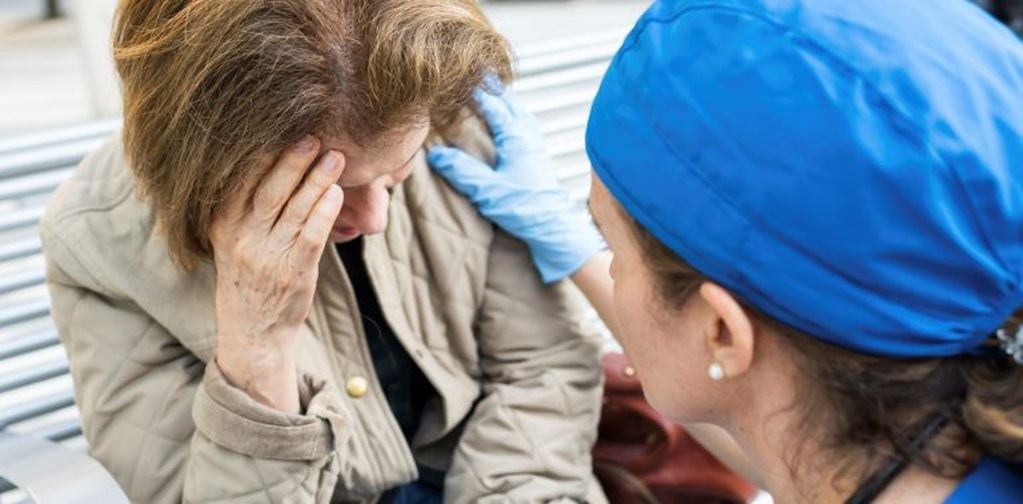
{"x": 793, "y": 467}
{"x": 786, "y": 457}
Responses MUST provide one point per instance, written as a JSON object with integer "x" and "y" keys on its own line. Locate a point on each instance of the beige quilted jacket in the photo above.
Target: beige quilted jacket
{"x": 516, "y": 364}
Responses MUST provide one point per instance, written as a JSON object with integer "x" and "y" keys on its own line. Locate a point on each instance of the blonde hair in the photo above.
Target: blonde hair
{"x": 210, "y": 86}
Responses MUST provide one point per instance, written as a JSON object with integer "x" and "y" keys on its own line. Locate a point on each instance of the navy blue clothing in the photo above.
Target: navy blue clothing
{"x": 991, "y": 482}
{"x": 404, "y": 385}
{"x": 416, "y": 493}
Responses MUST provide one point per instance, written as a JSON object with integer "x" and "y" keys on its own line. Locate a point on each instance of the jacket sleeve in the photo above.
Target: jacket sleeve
{"x": 530, "y": 436}
{"x": 168, "y": 426}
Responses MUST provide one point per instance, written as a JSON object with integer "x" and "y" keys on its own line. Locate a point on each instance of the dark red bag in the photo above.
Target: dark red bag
{"x": 642, "y": 458}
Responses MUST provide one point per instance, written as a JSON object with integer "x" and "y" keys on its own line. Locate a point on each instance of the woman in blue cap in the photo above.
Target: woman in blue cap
{"x": 816, "y": 214}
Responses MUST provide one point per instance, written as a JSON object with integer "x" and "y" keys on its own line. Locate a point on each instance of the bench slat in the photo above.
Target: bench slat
{"x": 20, "y": 248}
{"x": 21, "y": 218}
{"x": 40, "y": 160}
{"x": 20, "y": 280}
{"x": 29, "y": 343}
{"x": 31, "y": 185}
{"x": 561, "y": 102}
{"x": 567, "y": 59}
{"x": 573, "y": 76}
{"x": 92, "y": 130}
{"x": 36, "y": 408}
{"x": 34, "y": 374}
{"x": 24, "y": 312}
{"x": 59, "y": 431}
{"x": 529, "y": 51}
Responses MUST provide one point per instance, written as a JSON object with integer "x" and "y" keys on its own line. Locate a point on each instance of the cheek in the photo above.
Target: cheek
{"x": 641, "y": 332}
{"x": 655, "y": 344}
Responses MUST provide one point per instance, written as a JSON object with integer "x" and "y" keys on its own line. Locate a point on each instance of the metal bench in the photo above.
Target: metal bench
{"x": 40, "y": 430}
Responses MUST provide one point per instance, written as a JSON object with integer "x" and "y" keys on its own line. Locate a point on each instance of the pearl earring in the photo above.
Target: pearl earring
{"x": 716, "y": 372}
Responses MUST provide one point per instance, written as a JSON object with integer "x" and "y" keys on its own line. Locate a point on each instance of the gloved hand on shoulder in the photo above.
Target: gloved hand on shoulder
{"x": 521, "y": 193}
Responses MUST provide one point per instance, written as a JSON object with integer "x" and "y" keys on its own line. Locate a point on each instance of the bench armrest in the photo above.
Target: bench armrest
{"x": 50, "y": 473}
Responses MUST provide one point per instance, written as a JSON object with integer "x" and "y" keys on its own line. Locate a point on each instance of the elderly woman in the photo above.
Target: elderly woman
{"x": 815, "y": 209}
{"x": 222, "y": 352}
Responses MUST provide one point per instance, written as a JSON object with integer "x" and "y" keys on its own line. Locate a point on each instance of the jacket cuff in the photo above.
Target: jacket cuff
{"x": 230, "y": 418}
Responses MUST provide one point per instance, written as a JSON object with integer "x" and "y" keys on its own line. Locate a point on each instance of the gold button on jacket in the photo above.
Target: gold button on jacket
{"x": 357, "y": 386}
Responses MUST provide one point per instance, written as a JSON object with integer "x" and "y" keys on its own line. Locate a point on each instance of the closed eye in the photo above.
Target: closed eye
{"x": 397, "y": 175}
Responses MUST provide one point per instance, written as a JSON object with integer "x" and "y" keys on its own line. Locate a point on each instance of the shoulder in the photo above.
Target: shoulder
{"x": 99, "y": 237}
{"x": 98, "y": 234}
{"x": 432, "y": 200}
{"x": 100, "y": 182}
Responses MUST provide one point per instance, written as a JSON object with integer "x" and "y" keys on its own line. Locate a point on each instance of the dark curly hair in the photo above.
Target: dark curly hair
{"x": 874, "y": 409}
{"x": 1009, "y": 12}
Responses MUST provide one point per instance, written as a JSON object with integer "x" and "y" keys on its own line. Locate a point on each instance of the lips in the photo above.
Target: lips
{"x": 345, "y": 232}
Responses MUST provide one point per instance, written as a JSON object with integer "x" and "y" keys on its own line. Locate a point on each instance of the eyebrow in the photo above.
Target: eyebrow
{"x": 593, "y": 216}
{"x": 409, "y": 160}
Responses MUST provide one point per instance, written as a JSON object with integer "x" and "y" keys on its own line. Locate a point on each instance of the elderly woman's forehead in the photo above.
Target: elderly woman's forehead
{"x": 363, "y": 163}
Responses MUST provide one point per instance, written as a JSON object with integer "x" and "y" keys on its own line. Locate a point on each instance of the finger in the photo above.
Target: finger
{"x": 492, "y": 82}
{"x": 317, "y": 227}
{"x": 496, "y": 114}
{"x": 317, "y": 181}
{"x": 235, "y": 204}
{"x": 515, "y": 106}
{"x": 276, "y": 188}
{"x": 505, "y": 93}
{"x": 465, "y": 173}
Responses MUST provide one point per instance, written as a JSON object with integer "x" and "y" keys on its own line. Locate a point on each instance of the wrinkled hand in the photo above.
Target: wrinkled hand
{"x": 521, "y": 193}
{"x": 267, "y": 256}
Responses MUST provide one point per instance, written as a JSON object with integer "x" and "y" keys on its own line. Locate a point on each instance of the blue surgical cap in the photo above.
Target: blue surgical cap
{"x": 853, "y": 169}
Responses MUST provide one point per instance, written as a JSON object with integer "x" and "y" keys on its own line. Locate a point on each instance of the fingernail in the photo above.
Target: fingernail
{"x": 307, "y": 143}
{"x": 330, "y": 161}
{"x": 334, "y": 191}
{"x": 493, "y": 82}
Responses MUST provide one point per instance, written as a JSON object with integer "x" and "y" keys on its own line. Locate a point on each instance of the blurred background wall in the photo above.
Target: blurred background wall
{"x": 57, "y": 72}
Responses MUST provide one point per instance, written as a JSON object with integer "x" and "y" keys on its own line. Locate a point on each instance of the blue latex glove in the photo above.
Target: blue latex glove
{"x": 521, "y": 193}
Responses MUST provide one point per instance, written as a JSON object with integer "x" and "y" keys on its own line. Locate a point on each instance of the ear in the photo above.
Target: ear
{"x": 730, "y": 342}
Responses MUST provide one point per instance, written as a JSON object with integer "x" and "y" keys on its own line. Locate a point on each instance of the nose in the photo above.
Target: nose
{"x": 366, "y": 208}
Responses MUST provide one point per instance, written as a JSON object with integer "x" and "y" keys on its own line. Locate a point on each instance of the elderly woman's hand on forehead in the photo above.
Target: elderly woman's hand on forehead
{"x": 267, "y": 242}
